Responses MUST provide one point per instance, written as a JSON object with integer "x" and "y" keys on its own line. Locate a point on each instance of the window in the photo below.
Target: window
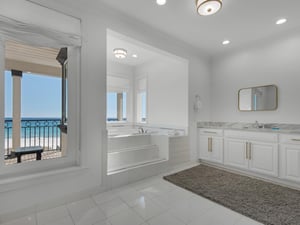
{"x": 25, "y": 55}
{"x": 32, "y": 109}
{"x": 36, "y": 116}
{"x": 117, "y": 98}
{"x": 116, "y": 106}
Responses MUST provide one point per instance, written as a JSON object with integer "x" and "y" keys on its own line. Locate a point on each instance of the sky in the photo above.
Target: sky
{"x": 41, "y": 96}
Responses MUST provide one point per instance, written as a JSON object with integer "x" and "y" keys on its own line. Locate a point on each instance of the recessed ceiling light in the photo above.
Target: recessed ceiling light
{"x": 281, "y": 21}
{"x": 161, "y": 2}
{"x": 226, "y": 42}
{"x": 134, "y": 55}
{"x": 120, "y": 53}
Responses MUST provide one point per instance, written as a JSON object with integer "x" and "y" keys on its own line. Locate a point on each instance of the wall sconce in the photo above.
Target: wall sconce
{"x": 197, "y": 103}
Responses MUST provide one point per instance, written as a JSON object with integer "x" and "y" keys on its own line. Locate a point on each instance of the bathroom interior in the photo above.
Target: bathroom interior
{"x": 154, "y": 89}
{"x": 142, "y": 108}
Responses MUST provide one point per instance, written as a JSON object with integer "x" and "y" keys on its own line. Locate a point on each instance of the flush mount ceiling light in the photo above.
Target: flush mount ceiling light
{"x": 134, "y": 55}
{"x": 208, "y": 7}
{"x": 281, "y": 21}
{"x": 161, "y": 2}
{"x": 120, "y": 53}
{"x": 226, "y": 42}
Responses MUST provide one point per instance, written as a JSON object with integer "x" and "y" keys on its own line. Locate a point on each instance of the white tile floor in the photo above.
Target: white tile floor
{"x": 149, "y": 202}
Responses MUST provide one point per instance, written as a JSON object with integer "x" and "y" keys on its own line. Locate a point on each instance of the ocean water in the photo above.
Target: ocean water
{"x": 34, "y": 128}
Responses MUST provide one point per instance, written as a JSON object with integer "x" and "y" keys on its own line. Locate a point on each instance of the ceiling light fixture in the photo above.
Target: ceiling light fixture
{"x": 226, "y": 42}
{"x": 161, "y": 2}
{"x": 208, "y": 7}
{"x": 281, "y": 21}
{"x": 120, "y": 53}
{"x": 134, "y": 56}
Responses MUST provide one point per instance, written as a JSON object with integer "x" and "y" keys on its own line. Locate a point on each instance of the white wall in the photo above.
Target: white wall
{"x": 119, "y": 69}
{"x": 28, "y": 194}
{"x": 269, "y": 62}
{"x": 199, "y": 84}
{"x": 167, "y": 84}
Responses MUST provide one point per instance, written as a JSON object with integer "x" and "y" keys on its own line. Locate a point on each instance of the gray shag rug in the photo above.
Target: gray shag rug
{"x": 264, "y": 202}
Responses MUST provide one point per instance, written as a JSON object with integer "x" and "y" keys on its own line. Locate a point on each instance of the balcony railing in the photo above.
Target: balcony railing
{"x": 34, "y": 132}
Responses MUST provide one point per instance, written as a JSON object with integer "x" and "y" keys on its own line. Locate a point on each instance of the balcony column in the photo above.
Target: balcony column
{"x": 120, "y": 106}
{"x": 16, "y": 128}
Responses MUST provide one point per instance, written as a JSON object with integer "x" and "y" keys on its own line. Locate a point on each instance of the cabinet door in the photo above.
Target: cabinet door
{"x": 216, "y": 155}
{"x": 263, "y": 158}
{"x": 290, "y": 162}
{"x": 235, "y": 153}
{"x": 203, "y": 147}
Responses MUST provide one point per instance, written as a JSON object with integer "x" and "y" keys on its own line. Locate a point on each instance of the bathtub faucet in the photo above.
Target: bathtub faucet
{"x": 141, "y": 130}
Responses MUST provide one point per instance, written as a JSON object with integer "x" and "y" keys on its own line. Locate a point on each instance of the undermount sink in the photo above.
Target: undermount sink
{"x": 262, "y": 126}
{"x": 269, "y": 126}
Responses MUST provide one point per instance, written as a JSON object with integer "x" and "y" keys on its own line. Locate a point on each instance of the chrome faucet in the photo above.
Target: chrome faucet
{"x": 257, "y": 125}
{"x": 141, "y": 130}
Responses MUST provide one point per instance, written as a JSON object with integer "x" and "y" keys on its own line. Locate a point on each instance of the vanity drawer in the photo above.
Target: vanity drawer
{"x": 211, "y": 132}
{"x": 289, "y": 139}
{"x": 253, "y": 136}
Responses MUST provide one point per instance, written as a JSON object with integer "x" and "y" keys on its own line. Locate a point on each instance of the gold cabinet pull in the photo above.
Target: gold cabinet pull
{"x": 247, "y": 150}
{"x": 250, "y": 151}
{"x": 210, "y": 144}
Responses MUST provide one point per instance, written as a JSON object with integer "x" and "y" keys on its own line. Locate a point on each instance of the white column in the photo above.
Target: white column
{"x": 2, "y": 69}
{"x": 120, "y": 106}
{"x": 16, "y": 135}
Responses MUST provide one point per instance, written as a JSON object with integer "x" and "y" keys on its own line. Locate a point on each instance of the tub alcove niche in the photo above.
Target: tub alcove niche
{"x": 147, "y": 109}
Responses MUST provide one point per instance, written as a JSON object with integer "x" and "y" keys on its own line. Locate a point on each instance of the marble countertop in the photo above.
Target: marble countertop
{"x": 268, "y": 127}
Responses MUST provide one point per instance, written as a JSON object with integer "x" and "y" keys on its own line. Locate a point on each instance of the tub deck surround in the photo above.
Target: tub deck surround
{"x": 136, "y": 145}
{"x": 127, "y": 128}
{"x": 279, "y": 128}
{"x": 127, "y": 151}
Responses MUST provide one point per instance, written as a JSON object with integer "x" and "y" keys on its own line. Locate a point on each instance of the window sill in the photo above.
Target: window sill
{"x": 19, "y": 182}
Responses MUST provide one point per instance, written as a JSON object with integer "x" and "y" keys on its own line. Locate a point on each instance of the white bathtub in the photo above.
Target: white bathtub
{"x": 130, "y": 150}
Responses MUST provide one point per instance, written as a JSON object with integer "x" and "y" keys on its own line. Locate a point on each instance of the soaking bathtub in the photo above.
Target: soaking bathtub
{"x": 134, "y": 149}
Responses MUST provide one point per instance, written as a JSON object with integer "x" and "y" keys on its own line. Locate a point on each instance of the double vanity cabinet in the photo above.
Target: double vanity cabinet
{"x": 270, "y": 154}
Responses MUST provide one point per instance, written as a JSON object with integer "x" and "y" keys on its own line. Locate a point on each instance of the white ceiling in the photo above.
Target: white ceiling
{"x": 241, "y": 21}
{"x": 144, "y": 52}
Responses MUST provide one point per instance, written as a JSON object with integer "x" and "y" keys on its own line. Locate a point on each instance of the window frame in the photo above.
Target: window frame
{"x": 73, "y": 156}
{"x": 121, "y": 89}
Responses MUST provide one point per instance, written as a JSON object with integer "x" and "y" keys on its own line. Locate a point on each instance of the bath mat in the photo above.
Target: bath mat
{"x": 264, "y": 202}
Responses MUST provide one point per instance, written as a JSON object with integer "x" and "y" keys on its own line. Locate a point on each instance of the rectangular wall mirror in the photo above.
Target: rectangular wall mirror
{"x": 262, "y": 98}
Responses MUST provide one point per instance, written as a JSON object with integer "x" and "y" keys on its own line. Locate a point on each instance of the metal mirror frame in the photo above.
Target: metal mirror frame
{"x": 276, "y": 107}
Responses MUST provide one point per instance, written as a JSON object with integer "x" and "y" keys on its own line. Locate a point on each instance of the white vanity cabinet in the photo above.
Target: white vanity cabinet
{"x": 290, "y": 157}
{"x": 210, "y": 145}
{"x": 254, "y": 151}
{"x": 235, "y": 153}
